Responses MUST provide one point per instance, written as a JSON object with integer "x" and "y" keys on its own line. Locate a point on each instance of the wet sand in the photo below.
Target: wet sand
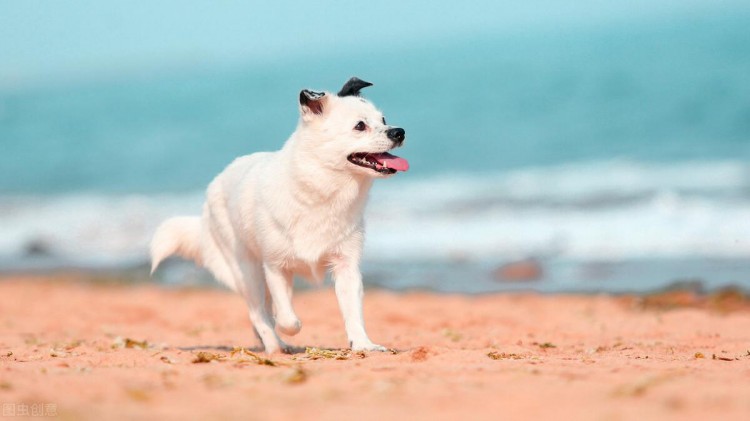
{"x": 78, "y": 350}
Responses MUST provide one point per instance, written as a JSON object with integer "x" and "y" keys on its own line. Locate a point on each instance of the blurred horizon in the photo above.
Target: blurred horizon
{"x": 73, "y": 41}
{"x": 594, "y": 135}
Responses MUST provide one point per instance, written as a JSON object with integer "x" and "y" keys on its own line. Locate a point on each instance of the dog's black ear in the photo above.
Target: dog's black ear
{"x": 353, "y": 86}
{"x": 312, "y": 101}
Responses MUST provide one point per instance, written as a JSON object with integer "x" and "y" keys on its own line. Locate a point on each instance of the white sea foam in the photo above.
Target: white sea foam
{"x": 602, "y": 210}
{"x": 86, "y": 229}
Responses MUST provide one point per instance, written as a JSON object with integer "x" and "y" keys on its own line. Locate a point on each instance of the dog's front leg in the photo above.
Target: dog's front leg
{"x": 348, "y": 284}
{"x": 280, "y": 285}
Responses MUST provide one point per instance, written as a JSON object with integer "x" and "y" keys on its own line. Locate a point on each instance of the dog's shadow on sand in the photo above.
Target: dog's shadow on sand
{"x": 291, "y": 350}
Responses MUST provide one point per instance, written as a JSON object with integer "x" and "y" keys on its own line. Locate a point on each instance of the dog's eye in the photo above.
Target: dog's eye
{"x": 360, "y": 127}
{"x": 384, "y": 123}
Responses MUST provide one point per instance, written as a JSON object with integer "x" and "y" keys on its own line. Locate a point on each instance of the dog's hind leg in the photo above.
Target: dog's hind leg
{"x": 279, "y": 284}
{"x": 251, "y": 285}
{"x": 245, "y": 276}
{"x": 229, "y": 262}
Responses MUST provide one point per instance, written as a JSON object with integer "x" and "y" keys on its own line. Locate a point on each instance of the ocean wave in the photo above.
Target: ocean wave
{"x": 614, "y": 210}
{"x": 85, "y": 229}
{"x": 597, "y": 210}
{"x": 590, "y": 184}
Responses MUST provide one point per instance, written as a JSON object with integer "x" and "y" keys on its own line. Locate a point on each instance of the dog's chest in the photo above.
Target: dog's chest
{"x": 311, "y": 223}
{"x": 316, "y": 234}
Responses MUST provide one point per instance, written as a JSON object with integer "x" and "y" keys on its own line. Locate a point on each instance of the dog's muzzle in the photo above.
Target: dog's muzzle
{"x": 397, "y": 135}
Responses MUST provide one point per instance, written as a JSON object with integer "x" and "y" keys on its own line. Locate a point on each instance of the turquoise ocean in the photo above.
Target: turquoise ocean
{"x": 617, "y": 156}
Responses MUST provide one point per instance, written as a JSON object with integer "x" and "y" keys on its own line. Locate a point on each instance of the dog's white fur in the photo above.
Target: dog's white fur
{"x": 297, "y": 211}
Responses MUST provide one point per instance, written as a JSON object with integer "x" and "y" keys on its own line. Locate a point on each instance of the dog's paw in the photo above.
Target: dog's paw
{"x": 369, "y": 346}
{"x": 281, "y": 348}
{"x": 290, "y": 327}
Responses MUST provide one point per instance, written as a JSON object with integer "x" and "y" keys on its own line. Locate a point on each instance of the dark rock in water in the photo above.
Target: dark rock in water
{"x": 668, "y": 300}
{"x": 520, "y": 271}
{"x": 688, "y": 285}
{"x": 683, "y": 293}
{"x": 728, "y": 299}
{"x": 692, "y": 294}
{"x": 37, "y": 248}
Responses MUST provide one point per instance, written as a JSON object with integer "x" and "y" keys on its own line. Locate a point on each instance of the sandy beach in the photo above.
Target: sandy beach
{"x": 79, "y": 350}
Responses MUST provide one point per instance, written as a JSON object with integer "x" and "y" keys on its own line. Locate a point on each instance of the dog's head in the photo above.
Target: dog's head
{"x": 345, "y": 131}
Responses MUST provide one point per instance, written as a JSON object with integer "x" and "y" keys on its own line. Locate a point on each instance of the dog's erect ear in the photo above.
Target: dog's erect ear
{"x": 353, "y": 86}
{"x": 311, "y": 101}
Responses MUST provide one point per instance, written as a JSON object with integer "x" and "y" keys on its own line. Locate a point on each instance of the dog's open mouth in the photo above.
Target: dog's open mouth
{"x": 382, "y": 162}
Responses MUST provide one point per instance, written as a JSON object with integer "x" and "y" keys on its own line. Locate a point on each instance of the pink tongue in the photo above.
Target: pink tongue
{"x": 391, "y": 161}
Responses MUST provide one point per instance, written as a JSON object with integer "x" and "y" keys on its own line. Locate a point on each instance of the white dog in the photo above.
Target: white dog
{"x": 297, "y": 211}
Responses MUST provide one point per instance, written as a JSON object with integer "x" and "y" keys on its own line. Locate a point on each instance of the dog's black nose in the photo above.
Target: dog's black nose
{"x": 396, "y": 134}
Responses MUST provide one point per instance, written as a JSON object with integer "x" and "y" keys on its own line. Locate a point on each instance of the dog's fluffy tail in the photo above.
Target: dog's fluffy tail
{"x": 179, "y": 235}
